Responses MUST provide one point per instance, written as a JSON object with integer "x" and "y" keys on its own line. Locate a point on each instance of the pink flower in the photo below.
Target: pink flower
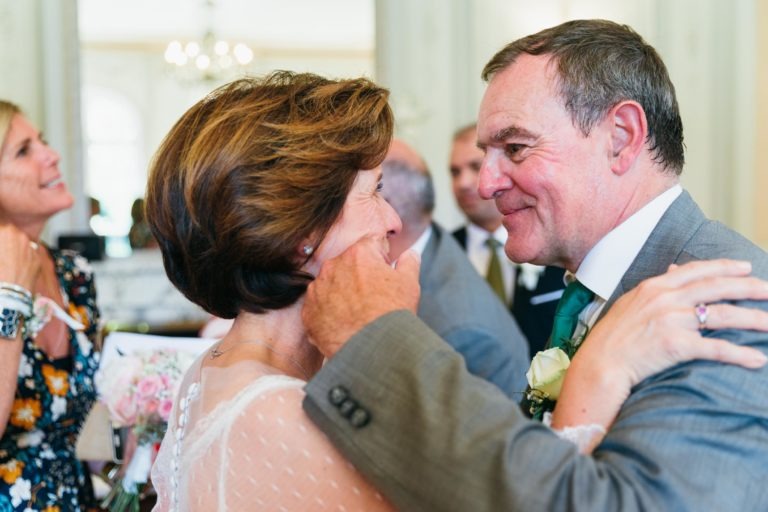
{"x": 148, "y": 406}
{"x": 168, "y": 381}
{"x": 165, "y": 409}
{"x": 139, "y": 388}
{"x": 124, "y": 411}
{"x": 149, "y": 386}
{"x": 118, "y": 378}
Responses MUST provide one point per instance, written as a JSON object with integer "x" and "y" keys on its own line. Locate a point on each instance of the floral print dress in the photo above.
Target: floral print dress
{"x": 38, "y": 468}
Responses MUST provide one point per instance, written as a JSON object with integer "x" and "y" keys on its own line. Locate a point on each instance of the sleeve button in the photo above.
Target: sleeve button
{"x": 337, "y": 395}
{"x": 359, "y": 418}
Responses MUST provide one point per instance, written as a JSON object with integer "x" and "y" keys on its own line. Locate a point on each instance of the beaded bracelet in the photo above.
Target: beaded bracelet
{"x": 16, "y": 303}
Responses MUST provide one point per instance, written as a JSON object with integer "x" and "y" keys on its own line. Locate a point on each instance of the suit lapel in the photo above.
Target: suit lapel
{"x": 461, "y": 236}
{"x": 667, "y": 241}
{"x": 428, "y": 256}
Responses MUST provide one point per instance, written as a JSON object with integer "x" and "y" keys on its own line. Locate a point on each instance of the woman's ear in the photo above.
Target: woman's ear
{"x": 629, "y": 132}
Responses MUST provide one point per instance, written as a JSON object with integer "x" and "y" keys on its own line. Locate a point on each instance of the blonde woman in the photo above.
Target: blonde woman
{"x": 46, "y": 363}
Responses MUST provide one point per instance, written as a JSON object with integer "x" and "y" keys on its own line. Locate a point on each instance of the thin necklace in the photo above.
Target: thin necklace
{"x": 215, "y": 352}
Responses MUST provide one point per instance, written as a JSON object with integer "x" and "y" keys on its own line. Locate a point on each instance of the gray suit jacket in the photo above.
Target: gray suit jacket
{"x": 463, "y": 310}
{"x": 694, "y": 437}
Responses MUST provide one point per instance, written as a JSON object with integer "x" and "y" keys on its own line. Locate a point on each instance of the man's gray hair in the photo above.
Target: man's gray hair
{"x": 601, "y": 63}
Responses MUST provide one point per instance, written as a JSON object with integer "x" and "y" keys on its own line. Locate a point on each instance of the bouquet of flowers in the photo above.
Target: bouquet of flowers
{"x": 138, "y": 389}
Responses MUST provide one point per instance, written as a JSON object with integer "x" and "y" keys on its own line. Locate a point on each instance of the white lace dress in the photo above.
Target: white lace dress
{"x": 238, "y": 439}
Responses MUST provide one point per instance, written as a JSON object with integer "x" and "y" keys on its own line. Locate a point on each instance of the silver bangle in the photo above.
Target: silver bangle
{"x": 16, "y": 298}
{"x": 10, "y": 321}
{"x": 17, "y": 289}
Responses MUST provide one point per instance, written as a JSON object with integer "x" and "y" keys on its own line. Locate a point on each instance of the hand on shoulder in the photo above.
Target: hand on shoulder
{"x": 654, "y": 327}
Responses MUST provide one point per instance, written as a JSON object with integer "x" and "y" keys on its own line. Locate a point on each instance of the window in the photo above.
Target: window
{"x": 114, "y": 173}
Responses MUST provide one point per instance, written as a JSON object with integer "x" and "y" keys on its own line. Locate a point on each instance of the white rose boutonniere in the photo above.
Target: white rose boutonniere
{"x": 547, "y": 372}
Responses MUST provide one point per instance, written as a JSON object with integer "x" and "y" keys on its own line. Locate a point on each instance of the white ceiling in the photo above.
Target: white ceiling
{"x": 282, "y": 23}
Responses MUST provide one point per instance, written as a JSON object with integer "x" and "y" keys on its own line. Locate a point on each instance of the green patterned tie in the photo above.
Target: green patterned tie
{"x": 493, "y": 274}
{"x": 575, "y": 298}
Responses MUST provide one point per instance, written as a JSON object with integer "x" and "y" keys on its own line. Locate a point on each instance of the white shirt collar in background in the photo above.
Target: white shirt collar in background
{"x": 421, "y": 243}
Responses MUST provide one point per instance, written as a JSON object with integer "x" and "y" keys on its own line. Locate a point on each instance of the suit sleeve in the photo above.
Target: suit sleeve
{"x": 440, "y": 439}
{"x": 491, "y": 358}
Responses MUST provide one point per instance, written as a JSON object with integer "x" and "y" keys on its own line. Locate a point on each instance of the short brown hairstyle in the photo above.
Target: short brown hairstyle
{"x": 601, "y": 63}
{"x": 250, "y": 172}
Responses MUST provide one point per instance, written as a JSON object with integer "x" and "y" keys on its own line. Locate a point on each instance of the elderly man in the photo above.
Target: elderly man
{"x": 530, "y": 291}
{"x": 455, "y": 301}
{"x": 583, "y": 147}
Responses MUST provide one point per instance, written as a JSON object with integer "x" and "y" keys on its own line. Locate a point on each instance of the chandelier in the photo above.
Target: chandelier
{"x": 210, "y": 60}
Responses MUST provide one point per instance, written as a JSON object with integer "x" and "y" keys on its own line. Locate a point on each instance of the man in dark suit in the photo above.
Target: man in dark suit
{"x": 583, "y": 146}
{"x": 530, "y": 291}
{"x": 455, "y": 302}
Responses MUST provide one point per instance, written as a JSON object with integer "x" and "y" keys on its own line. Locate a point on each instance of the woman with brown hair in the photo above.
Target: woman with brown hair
{"x": 253, "y": 189}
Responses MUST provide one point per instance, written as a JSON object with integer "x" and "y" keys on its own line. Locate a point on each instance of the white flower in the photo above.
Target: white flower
{"x": 33, "y": 438}
{"x": 528, "y": 275}
{"x": 25, "y": 367}
{"x": 138, "y": 468}
{"x": 84, "y": 343}
{"x": 117, "y": 377}
{"x": 58, "y": 407}
{"x": 20, "y": 491}
{"x": 83, "y": 265}
{"x": 547, "y": 372}
{"x": 47, "y": 453}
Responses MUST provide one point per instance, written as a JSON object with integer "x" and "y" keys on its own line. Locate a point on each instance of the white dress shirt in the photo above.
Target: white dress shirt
{"x": 608, "y": 261}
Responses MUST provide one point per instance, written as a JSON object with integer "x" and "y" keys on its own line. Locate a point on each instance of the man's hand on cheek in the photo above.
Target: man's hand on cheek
{"x": 356, "y": 288}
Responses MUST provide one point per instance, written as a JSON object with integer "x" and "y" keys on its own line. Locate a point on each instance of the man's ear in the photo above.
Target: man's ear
{"x": 629, "y": 131}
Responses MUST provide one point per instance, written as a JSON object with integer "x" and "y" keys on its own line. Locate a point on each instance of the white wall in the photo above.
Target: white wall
{"x": 429, "y": 52}
{"x": 708, "y": 45}
{"x": 39, "y": 56}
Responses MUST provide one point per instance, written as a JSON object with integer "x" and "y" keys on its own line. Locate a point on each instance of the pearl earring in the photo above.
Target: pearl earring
{"x": 308, "y": 250}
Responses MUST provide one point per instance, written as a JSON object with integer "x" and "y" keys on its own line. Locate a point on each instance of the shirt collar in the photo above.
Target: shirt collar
{"x": 607, "y": 262}
{"x": 421, "y": 243}
{"x": 477, "y": 236}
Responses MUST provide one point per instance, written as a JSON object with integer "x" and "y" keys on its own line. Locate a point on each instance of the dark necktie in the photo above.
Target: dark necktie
{"x": 493, "y": 275}
{"x": 575, "y": 298}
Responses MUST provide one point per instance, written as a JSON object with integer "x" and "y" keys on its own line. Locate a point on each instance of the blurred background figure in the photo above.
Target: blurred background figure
{"x": 46, "y": 366}
{"x": 530, "y": 292}
{"x": 455, "y": 301}
{"x": 97, "y": 222}
{"x": 140, "y": 236}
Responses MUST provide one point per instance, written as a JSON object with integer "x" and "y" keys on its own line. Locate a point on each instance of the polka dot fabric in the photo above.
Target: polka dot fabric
{"x": 254, "y": 450}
